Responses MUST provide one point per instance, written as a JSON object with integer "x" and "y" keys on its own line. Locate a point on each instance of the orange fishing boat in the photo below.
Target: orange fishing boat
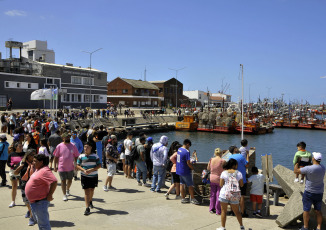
{"x": 188, "y": 124}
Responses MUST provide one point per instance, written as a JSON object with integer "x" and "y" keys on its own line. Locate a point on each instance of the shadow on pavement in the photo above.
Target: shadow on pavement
{"x": 129, "y": 190}
{"x": 79, "y": 198}
{"x": 109, "y": 212}
{"x": 61, "y": 224}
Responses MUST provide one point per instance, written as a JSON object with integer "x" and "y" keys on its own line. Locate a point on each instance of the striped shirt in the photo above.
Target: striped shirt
{"x": 88, "y": 162}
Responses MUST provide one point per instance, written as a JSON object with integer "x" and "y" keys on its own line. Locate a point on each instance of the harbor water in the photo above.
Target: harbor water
{"x": 281, "y": 144}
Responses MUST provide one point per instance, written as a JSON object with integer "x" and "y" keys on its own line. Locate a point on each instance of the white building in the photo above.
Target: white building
{"x": 38, "y": 51}
{"x": 197, "y": 95}
{"x": 215, "y": 99}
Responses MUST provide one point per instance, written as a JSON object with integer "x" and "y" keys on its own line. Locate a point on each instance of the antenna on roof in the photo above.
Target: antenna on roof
{"x": 145, "y": 74}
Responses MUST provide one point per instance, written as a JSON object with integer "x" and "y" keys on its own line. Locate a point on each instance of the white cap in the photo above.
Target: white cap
{"x": 3, "y": 136}
{"x": 317, "y": 156}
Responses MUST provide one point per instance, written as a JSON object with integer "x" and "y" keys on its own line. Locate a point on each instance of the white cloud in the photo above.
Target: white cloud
{"x": 14, "y": 13}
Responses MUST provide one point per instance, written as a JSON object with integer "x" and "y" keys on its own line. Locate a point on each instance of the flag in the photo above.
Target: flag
{"x": 41, "y": 94}
{"x": 55, "y": 94}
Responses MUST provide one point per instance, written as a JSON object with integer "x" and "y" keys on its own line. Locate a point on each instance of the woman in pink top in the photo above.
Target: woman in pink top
{"x": 215, "y": 165}
{"x": 175, "y": 177}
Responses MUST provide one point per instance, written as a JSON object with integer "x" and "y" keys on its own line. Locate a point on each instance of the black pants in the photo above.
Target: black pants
{"x": 149, "y": 165}
{"x": 3, "y": 171}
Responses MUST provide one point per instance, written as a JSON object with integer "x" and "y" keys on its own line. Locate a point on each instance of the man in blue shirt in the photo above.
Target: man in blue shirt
{"x": 184, "y": 167}
{"x": 242, "y": 167}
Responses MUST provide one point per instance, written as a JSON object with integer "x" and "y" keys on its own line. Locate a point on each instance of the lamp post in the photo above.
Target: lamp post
{"x": 241, "y": 66}
{"x": 176, "y": 85}
{"x": 90, "y": 72}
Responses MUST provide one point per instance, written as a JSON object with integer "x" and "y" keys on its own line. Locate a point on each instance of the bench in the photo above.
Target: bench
{"x": 277, "y": 190}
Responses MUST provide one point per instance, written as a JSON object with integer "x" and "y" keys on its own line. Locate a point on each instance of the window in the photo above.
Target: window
{"x": 143, "y": 103}
{"x": 199, "y": 96}
{"x": 7, "y": 84}
{"x": 161, "y": 90}
{"x": 96, "y": 98}
{"x": 3, "y": 100}
{"x": 18, "y": 85}
{"x": 49, "y": 81}
{"x": 154, "y": 92}
{"x": 155, "y": 102}
{"x": 86, "y": 98}
{"x": 29, "y": 85}
{"x": 66, "y": 98}
{"x": 88, "y": 81}
{"x": 76, "y": 80}
{"x": 124, "y": 91}
{"x": 136, "y": 90}
{"x": 135, "y": 103}
{"x": 171, "y": 90}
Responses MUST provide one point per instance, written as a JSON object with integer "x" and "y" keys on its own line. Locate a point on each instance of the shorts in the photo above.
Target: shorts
{"x": 66, "y": 175}
{"x": 122, "y": 156}
{"x": 256, "y": 198}
{"x": 12, "y": 127}
{"x": 311, "y": 198}
{"x": 228, "y": 201}
{"x": 13, "y": 176}
{"x": 23, "y": 185}
{"x": 243, "y": 189}
{"x": 89, "y": 182}
{"x": 128, "y": 160}
{"x": 303, "y": 163}
{"x": 187, "y": 180}
{"x": 176, "y": 177}
{"x": 112, "y": 168}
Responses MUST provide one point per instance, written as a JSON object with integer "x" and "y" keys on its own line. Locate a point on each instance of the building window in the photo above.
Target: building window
{"x": 161, "y": 90}
{"x": 155, "y": 102}
{"x": 199, "y": 96}
{"x": 3, "y": 100}
{"x": 49, "y": 81}
{"x": 96, "y": 98}
{"x": 124, "y": 91}
{"x": 29, "y": 85}
{"x": 143, "y": 103}
{"x": 18, "y": 85}
{"x": 86, "y": 98}
{"x": 171, "y": 90}
{"x": 66, "y": 97}
{"x": 88, "y": 81}
{"x": 180, "y": 91}
{"x": 135, "y": 103}
{"x": 154, "y": 92}
{"x": 76, "y": 80}
{"x": 7, "y": 84}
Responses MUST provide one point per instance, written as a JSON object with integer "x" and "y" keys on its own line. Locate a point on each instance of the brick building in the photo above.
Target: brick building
{"x": 169, "y": 92}
{"x": 133, "y": 93}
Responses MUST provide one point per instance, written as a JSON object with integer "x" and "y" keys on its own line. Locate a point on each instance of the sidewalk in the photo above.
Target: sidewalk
{"x": 130, "y": 207}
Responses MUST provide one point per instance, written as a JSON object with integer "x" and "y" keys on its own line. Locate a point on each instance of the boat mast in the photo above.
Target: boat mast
{"x": 241, "y": 66}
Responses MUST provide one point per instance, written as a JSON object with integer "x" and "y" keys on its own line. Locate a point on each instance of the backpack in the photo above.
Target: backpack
{"x": 83, "y": 136}
{"x": 232, "y": 188}
{"x": 121, "y": 148}
{"x": 134, "y": 154}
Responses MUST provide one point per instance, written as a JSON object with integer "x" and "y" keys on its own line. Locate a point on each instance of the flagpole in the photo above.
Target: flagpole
{"x": 57, "y": 97}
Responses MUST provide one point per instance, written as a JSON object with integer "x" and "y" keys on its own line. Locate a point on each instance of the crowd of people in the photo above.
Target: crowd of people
{"x": 43, "y": 146}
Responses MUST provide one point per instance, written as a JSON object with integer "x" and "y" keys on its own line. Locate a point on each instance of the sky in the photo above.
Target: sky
{"x": 281, "y": 43}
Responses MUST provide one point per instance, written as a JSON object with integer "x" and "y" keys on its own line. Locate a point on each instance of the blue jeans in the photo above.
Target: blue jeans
{"x": 158, "y": 177}
{"x": 40, "y": 212}
{"x": 141, "y": 169}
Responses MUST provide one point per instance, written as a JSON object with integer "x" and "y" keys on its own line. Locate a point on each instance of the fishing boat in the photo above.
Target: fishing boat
{"x": 278, "y": 122}
{"x": 252, "y": 128}
{"x": 309, "y": 124}
{"x": 188, "y": 124}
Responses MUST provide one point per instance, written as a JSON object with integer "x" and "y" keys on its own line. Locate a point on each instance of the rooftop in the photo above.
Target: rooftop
{"x": 139, "y": 84}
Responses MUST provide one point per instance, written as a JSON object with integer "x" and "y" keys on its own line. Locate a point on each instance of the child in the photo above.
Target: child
{"x": 302, "y": 157}
{"x": 244, "y": 149}
{"x": 44, "y": 149}
{"x": 257, "y": 190}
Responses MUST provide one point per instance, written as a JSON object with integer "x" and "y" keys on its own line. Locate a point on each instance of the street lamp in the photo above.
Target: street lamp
{"x": 90, "y": 76}
{"x": 176, "y": 85}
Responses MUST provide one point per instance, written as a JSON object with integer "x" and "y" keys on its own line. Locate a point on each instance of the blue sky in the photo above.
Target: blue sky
{"x": 281, "y": 43}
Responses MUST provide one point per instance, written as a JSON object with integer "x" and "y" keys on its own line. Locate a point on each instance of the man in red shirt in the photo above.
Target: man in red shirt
{"x": 39, "y": 190}
{"x": 48, "y": 133}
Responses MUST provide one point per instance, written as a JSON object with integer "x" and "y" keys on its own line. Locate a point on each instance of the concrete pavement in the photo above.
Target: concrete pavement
{"x": 130, "y": 207}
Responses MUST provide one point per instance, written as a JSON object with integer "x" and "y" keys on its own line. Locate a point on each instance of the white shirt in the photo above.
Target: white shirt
{"x": 257, "y": 187}
{"x": 127, "y": 143}
{"x": 243, "y": 151}
{"x": 225, "y": 177}
{"x": 44, "y": 151}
